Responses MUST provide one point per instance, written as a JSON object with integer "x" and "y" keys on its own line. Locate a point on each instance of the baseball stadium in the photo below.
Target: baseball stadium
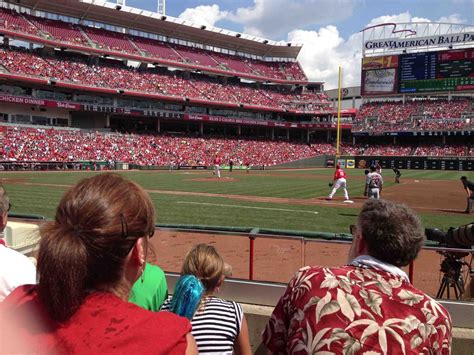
{"x": 238, "y": 149}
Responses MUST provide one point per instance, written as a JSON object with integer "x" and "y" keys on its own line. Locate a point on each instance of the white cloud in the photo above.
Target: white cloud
{"x": 206, "y": 15}
{"x": 454, "y": 18}
{"x": 324, "y": 50}
{"x": 273, "y": 18}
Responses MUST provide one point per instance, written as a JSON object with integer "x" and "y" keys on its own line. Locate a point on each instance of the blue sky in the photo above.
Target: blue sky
{"x": 363, "y": 11}
{"x": 328, "y": 29}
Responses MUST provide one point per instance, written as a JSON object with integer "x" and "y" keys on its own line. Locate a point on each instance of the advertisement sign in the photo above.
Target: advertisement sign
{"x": 350, "y": 163}
{"x": 379, "y": 75}
{"x": 403, "y": 43}
{"x": 388, "y": 61}
{"x": 342, "y": 163}
{"x": 379, "y": 81}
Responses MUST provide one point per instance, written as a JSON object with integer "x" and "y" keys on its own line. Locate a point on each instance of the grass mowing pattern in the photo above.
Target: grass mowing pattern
{"x": 186, "y": 209}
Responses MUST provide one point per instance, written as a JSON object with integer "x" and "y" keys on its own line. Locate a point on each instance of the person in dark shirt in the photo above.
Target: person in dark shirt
{"x": 469, "y": 187}
{"x": 397, "y": 175}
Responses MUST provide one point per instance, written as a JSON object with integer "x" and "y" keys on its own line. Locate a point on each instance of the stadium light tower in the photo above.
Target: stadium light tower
{"x": 161, "y": 7}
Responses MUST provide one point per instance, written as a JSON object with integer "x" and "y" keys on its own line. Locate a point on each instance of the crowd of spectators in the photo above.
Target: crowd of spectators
{"x": 36, "y": 144}
{"x": 441, "y": 150}
{"x": 377, "y": 149}
{"x": 111, "y": 74}
{"x": 429, "y": 114}
{"x": 125, "y": 43}
{"x": 441, "y": 124}
{"x": 21, "y": 144}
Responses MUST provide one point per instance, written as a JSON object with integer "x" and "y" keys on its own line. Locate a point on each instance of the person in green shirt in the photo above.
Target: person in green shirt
{"x": 150, "y": 290}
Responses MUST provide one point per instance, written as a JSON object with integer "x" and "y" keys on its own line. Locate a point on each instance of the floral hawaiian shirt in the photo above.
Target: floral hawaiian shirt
{"x": 355, "y": 310}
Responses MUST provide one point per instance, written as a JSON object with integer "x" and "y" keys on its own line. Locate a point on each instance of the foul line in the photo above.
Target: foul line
{"x": 250, "y": 207}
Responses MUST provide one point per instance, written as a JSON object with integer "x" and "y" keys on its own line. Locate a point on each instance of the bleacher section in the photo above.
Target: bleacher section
{"x": 110, "y": 40}
{"x": 58, "y": 30}
{"x": 434, "y": 114}
{"x": 116, "y": 75}
{"x": 118, "y": 42}
{"x": 30, "y": 144}
{"x": 56, "y": 145}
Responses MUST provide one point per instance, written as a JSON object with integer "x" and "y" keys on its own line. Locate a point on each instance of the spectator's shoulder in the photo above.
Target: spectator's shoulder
{"x": 154, "y": 270}
{"x": 9, "y": 255}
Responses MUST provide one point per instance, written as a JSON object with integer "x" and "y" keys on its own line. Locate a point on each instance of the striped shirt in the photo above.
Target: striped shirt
{"x": 215, "y": 325}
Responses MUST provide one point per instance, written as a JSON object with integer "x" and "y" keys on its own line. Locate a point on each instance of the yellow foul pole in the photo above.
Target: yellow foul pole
{"x": 338, "y": 139}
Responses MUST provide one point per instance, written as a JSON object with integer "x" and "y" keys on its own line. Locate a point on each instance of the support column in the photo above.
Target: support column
{"x": 239, "y": 130}
{"x": 328, "y": 136}
{"x": 287, "y": 134}
{"x": 201, "y": 128}
{"x": 307, "y": 136}
{"x": 107, "y": 121}
{"x": 353, "y": 140}
{"x": 302, "y": 136}
{"x": 272, "y": 132}
{"x": 394, "y": 140}
{"x": 444, "y": 139}
{"x": 158, "y": 125}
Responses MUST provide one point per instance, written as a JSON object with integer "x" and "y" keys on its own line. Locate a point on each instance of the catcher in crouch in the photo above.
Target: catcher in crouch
{"x": 339, "y": 180}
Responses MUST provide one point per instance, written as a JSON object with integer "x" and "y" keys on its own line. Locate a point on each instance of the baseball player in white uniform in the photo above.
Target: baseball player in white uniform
{"x": 373, "y": 184}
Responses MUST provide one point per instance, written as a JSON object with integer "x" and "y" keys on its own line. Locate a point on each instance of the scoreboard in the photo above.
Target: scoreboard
{"x": 418, "y": 66}
{"x": 451, "y": 70}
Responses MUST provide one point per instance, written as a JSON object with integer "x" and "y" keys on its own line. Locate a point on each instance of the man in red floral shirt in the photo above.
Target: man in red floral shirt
{"x": 368, "y": 306}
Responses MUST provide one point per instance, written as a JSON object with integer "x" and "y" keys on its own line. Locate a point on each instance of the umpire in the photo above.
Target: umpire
{"x": 469, "y": 187}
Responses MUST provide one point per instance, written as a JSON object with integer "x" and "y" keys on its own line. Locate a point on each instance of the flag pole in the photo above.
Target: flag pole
{"x": 338, "y": 134}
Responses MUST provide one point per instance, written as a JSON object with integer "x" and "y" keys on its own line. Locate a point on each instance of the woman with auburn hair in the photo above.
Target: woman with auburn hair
{"x": 90, "y": 255}
{"x": 219, "y": 326}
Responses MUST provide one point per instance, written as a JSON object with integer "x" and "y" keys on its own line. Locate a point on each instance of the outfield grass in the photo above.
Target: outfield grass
{"x": 223, "y": 211}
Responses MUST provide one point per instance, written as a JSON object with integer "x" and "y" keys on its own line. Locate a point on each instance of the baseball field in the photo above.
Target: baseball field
{"x": 273, "y": 199}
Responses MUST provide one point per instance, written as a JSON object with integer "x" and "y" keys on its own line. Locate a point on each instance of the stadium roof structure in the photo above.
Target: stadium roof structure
{"x": 147, "y": 21}
{"x": 399, "y": 38}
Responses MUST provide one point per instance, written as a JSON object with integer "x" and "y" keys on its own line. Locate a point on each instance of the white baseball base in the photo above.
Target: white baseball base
{"x": 348, "y": 201}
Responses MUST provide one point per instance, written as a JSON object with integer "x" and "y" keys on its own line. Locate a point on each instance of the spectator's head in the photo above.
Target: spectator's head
{"x": 387, "y": 231}
{"x": 463, "y": 178}
{"x": 366, "y": 171}
{"x": 97, "y": 242}
{"x": 204, "y": 262}
{"x": 4, "y": 208}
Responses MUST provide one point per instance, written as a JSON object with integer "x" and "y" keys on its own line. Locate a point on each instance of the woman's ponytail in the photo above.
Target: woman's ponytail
{"x": 62, "y": 266}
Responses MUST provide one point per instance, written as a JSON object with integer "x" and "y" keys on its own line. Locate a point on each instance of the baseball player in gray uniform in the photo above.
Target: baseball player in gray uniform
{"x": 373, "y": 183}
